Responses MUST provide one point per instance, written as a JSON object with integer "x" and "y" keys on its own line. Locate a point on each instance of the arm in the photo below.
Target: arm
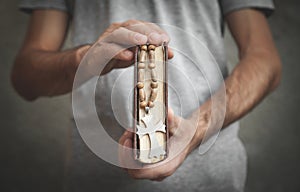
{"x": 42, "y": 69}
{"x": 257, "y": 74}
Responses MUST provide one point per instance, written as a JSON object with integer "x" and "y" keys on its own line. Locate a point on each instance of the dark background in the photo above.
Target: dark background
{"x": 33, "y": 136}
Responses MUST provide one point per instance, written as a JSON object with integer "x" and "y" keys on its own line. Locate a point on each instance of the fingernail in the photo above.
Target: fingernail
{"x": 154, "y": 37}
{"x": 140, "y": 38}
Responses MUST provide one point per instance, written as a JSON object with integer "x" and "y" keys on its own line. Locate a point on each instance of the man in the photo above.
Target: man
{"x": 42, "y": 69}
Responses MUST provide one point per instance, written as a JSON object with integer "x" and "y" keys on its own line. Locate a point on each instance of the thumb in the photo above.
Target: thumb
{"x": 173, "y": 121}
{"x": 126, "y": 158}
{"x": 170, "y": 115}
{"x": 128, "y": 134}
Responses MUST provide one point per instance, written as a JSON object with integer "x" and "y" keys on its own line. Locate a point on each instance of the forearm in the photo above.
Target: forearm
{"x": 45, "y": 73}
{"x": 257, "y": 74}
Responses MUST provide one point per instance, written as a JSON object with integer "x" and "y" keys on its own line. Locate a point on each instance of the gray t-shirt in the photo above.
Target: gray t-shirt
{"x": 223, "y": 167}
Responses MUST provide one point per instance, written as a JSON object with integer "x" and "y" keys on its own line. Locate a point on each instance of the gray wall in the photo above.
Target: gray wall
{"x": 33, "y": 136}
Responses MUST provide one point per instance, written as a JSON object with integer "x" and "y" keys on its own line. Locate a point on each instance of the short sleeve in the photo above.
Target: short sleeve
{"x": 266, "y": 6}
{"x": 29, "y": 5}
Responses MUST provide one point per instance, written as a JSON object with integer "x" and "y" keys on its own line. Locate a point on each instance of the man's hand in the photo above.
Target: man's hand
{"x": 182, "y": 132}
{"x": 115, "y": 46}
{"x": 256, "y": 75}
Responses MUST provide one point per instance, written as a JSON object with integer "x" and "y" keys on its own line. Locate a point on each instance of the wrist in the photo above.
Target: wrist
{"x": 201, "y": 119}
{"x": 80, "y": 53}
{"x": 76, "y": 57}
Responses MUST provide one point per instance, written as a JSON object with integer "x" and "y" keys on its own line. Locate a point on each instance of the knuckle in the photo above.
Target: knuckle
{"x": 131, "y": 22}
{"x": 110, "y": 37}
{"x": 112, "y": 27}
{"x": 131, "y": 36}
{"x": 151, "y": 32}
{"x": 115, "y": 33}
{"x": 153, "y": 25}
{"x": 115, "y": 24}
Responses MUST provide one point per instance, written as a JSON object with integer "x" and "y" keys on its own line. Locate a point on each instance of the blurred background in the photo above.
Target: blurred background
{"x": 33, "y": 136}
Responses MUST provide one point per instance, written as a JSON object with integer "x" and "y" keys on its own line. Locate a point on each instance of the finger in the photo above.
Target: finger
{"x": 173, "y": 121}
{"x": 125, "y": 150}
{"x": 153, "y": 32}
{"x": 124, "y": 153}
{"x": 141, "y": 173}
{"x": 113, "y": 27}
{"x": 155, "y": 28}
{"x": 110, "y": 56}
{"x": 170, "y": 53}
{"x": 104, "y": 52}
{"x": 126, "y": 37}
{"x": 157, "y": 173}
{"x": 128, "y": 143}
{"x": 170, "y": 115}
{"x": 115, "y": 64}
{"x": 163, "y": 34}
{"x": 126, "y": 135}
{"x": 125, "y": 55}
